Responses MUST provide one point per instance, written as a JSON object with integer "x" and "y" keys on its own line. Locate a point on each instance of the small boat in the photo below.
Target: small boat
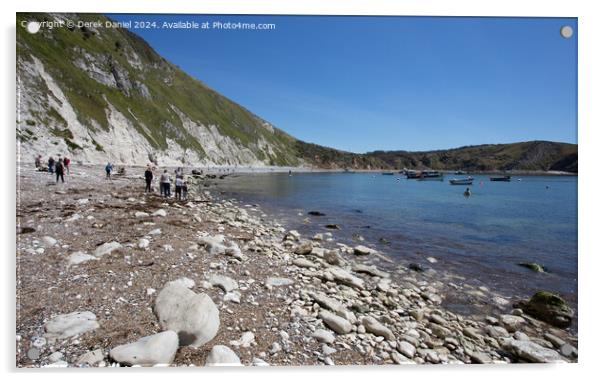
{"x": 460, "y": 172}
{"x": 431, "y": 175}
{"x": 413, "y": 174}
{"x": 466, "y": 181}
{"x": 500, "y": 178}
{"x": 388, "y": 173}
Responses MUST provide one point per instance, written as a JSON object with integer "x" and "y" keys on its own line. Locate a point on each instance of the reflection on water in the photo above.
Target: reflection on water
{"x": 481, "y": 237}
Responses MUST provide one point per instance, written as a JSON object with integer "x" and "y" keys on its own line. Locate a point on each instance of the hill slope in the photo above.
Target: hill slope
{"x": 526, "y": 156}
{"x": 105, "y": 94}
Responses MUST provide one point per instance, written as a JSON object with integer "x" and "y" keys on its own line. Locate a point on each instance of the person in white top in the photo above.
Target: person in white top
{"x": 165, "y": 184}
{"x": 179, "y": 184}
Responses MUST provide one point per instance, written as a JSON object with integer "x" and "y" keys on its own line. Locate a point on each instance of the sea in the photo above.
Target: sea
{"x": 482, "y": 237}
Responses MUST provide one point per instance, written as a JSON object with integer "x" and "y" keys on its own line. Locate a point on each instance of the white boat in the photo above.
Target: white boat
{"x": 466, "y": 181}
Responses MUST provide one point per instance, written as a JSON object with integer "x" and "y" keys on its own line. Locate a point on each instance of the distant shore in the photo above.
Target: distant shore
{"x": 222, "y": 169}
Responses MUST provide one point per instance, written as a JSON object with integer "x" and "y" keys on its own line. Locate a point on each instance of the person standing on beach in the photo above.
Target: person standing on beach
{"x": 165, "y": 184}
{"x": 66, "y": 162}
{"x": 60, "y": 171}
{"x": 51, "y": 164}
{"x": 148, "y": 176}
{"x": 185, "y": 190}
{"x": 109, "y": 169}
{"x": 179, "y": 183}
{"x": 38, "y": 161}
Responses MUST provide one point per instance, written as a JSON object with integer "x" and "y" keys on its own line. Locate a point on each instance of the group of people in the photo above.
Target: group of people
{"x": 181, "y": 191}
{"x": 58, "y": 167}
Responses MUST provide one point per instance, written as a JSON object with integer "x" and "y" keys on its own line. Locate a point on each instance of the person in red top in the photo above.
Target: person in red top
{"x": 66, "y": 163}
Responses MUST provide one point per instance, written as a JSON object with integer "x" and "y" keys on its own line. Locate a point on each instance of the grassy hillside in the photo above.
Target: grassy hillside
{"x": 157, "y": 84}
{"x": 528, "y": 156}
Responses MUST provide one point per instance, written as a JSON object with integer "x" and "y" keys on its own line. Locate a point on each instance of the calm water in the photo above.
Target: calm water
{"x": 482, "y": 237}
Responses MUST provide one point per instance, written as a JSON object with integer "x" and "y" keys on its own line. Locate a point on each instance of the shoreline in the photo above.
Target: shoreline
{"x": 383, "y": 313}
{"x": 215, "y": 169}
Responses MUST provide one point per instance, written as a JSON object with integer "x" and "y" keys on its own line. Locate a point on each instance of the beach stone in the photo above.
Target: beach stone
{"x": 140, "y": 214}
{"x": 232, "y": 296}
{"x": 155, "y": 232}
{"x": 245, "y": 341}
{"x": 567, "y": 350}
{"x": 480, "y": 358}
{"x": 106, "y": 248}
{"x": 221, "y": 355}
{"x": 48, "y": 241}
{"x": 323, "y": 336}
{"x": 325, "y": 301}
{"x": 512, "y": 323}
{"x": 370, "y": 270}
{"x": 400, "y": 359}
{"x": 377, "y": 328}
{"x": 363, "y": 250}
{"x": 342, "y": 276}
{"x": 33, "y": 353}
{"x": 292, "y": 235}
{"x": 259, "y": 362}
{"x": 533, "y": 267}
{"x": 304, "y": 263}
{"x": 335, "y": 322}
{"x": 91, "y": 358}
{"x": 332, "y": 257}
{"x": 157, "y": 349}
{"x": 530, "y": 351}
{"x": 276, "y": 282}
{"x": 304, "y": 248}
{"x": 497, "y": 331}
{"x": 143, "y": 243}
{"x": 225, "y": 283}
{"x": 549, "y": 308}
{"x": 68, "y": 325}
{"x": 194, "y": 317}
{"x": 79, "y": 257}
{"x": 55, "y": 356}
{"x": 57, "y": 364}
{"x": 184, "y": 282}
{"x": 160, "y": 213}
{"x": 406, "y": 349}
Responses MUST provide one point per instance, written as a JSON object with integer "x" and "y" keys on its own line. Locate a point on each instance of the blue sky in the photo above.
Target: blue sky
{"x": 368, "y": 83}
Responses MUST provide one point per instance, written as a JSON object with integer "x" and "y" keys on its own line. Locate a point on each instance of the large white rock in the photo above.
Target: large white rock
{"x": 530, "y": 351}
{"x": 221, "y": 355}
{"x": 194, "y": 317}
{"x": 106, "y": 248}
{"x": 75, "y": 323}
{"x": 158, "y": 349}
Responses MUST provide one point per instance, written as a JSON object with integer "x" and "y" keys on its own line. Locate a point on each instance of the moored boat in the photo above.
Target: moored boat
{"x": 500, "y": 178}
{"x": 431, "y": 175}
{"x": 466, "y": 181}
{"x": 388, "y": 173}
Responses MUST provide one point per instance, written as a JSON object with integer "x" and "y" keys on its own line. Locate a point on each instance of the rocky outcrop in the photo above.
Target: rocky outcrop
{"x": 548, "y": 307}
